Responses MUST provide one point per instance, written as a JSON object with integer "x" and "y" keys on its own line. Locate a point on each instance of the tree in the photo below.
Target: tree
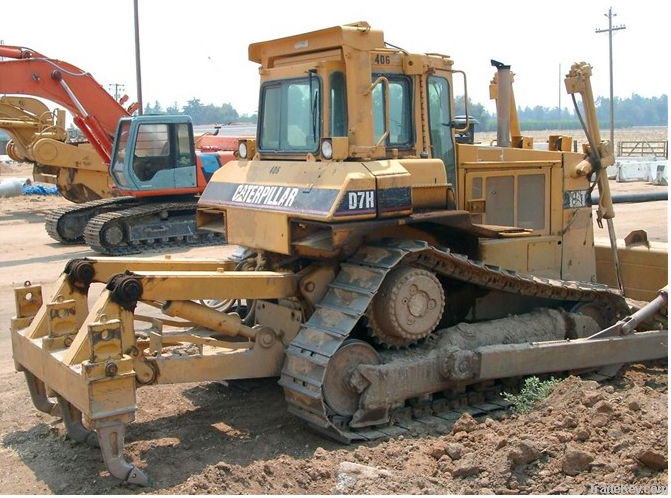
{"x": 208, "y": 114}
{"x": 633, "y": 111}
{"x": 475, "y": 110}
{"x": 193, "y": 108}
{"x": 173, "y": 109}
{"x": 156, "y": 109}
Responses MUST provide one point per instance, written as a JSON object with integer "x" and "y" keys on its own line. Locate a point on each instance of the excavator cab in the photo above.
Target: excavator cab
{"x": 153, "y": 153}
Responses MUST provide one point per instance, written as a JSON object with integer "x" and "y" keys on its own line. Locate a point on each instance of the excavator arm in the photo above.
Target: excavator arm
{"x": 95, "y": 111}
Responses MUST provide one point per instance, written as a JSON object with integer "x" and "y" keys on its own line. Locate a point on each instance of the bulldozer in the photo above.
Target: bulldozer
{"x": 386, "y": 274}
{"x": 122, "y": 213}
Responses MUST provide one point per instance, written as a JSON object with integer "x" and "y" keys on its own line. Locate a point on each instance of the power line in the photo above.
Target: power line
{"x": 610, "y": 30}
{"x": 118, "y": 87}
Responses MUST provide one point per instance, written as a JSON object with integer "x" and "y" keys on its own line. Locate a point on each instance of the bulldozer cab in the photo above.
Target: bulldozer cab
{"x": 349, "y": 130}
{"x": 340, "y": 94}
{"x": 358, "y": 139}
{"x": 154, "y": 153}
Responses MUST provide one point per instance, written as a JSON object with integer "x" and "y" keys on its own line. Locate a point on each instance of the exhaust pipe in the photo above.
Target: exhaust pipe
{"x": 503, "y": 104}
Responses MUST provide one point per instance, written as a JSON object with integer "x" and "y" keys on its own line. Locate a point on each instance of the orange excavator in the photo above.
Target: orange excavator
{"x": 158, "y": 190}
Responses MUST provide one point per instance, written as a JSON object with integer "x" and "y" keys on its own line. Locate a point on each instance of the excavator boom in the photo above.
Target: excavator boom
{"x": 95, "y": 111}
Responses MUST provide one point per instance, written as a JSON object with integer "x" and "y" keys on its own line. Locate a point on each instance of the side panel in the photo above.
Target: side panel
{"x": 258, "y": 229}
{"x": 429, "y": 183}
{"x": 578, "y": 260}
{"x": 645, "y": 269}
{"x": 540, "y": 256}
{"x": 257, "y": 199}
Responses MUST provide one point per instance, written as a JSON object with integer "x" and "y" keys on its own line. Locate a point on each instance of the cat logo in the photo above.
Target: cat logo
{"x": 265, "y": 195}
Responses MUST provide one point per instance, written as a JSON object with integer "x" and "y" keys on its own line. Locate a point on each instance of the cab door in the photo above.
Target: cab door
{"x": 440, "y": 126}
{"x": 162, "y": 158}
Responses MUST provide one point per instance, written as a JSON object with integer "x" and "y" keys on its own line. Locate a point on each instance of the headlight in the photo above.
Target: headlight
{"x": 327, "y": 149}
{"x": 242, "y": 150}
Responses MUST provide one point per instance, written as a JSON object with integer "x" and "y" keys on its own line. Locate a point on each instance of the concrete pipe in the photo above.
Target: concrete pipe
{"x": 12, "y": 187}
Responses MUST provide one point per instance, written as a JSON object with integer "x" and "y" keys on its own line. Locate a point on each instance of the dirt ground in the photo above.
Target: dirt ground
{"x": 211, "y": 438}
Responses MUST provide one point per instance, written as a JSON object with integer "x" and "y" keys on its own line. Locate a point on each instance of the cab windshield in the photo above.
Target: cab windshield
{"x": 290, "y": 115}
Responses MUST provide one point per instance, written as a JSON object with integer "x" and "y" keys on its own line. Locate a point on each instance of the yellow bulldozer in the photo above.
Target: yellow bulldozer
{"x": 385, "y": 273}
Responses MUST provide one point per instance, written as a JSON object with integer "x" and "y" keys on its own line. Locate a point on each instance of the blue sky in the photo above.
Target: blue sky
{"x": 199, "y": 48}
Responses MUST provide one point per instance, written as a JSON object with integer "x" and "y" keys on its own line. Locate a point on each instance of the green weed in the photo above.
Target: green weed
{"x": 533, "y": 391}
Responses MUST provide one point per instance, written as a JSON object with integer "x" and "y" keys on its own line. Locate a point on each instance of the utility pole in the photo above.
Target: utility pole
{"x": 560, "y": 89}
{"x": 138, "y": 72}
{"x": 610, "y": 30}
{"x": 118, "y": 87}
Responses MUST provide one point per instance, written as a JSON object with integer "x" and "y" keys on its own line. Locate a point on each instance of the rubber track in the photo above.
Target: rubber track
{"x": 96, "y": 225}
{"x": 348, "y": 298}
{"x": 55, "y": 216}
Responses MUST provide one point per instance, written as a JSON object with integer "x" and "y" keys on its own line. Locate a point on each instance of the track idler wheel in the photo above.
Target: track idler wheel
{"x": 340, "y": 393}
{"x": 71, "y": 228}
{"x": 112, "y": 235}
{"x": 407, "y": 308}
{"x": 593, "y": 311}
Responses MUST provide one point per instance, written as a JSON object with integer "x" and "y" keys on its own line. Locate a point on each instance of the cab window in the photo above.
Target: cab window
{"x": 440, "y": 119}
{"x": 290, "y": 118}
{"x": 338, "y": 109}
{"x": 152, "y": 150}
{"x": 399, "y": 95}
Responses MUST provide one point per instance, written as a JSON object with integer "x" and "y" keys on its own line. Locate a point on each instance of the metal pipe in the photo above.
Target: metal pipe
{"x": 628, "y": 324}
{"x": 93, "y": 131}
{"x": 138, "y": 71}
{"x": 578, "y": 81}
{"x": 14, "y": 52}
{"x": 647, "y": 311}
{"x": 503, "y": 104}
{"x": 635, "y": 197}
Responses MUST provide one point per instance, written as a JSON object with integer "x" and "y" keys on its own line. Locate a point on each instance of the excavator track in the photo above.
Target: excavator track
{"x": 67, "y": 225}
{"x": 157, "y": 225}
{"x": 349, "y": 296}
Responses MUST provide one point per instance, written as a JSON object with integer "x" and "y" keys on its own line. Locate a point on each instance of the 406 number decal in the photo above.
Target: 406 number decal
{"x": 382, "y": 59}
